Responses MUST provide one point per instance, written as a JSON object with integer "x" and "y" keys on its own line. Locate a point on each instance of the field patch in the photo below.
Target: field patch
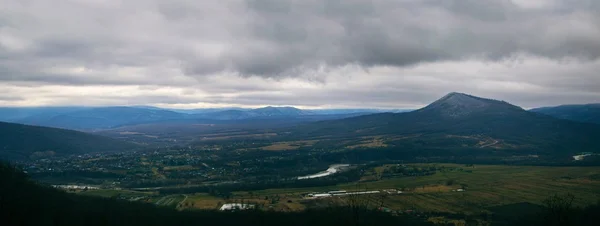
{"x": 284, "y": 146}
{"x": 369, "y": 142}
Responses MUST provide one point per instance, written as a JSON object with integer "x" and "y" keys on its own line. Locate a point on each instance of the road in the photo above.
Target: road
{"x": 180, "y": 204}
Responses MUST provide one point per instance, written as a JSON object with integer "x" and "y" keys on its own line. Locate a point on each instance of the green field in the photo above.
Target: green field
{"x": 169, "y": 200}
{"x": 486, "y": 186}
{"x": 110, "y": 193}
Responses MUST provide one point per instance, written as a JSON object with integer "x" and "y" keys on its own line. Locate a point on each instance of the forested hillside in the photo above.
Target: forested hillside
{"x": 23, "y": 141}
{"x": 461, "y": 121}
{"x": 581, "y": 113}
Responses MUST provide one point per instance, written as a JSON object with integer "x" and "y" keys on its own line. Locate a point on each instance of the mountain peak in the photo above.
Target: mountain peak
{"x": 455, "y": 105}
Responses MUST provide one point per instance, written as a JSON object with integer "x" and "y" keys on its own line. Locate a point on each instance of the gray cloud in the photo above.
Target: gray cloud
{"x": 306, "y": 33}
{"x": 303, "y": 52}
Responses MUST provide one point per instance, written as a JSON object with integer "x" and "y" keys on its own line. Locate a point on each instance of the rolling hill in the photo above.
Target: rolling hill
{"x": 458, "y": 121}
{"x": 23, "y": 141}
{"x": 581, "y": 113}
{"x": 101, "y": 118}
{"x": 13, "y": 114}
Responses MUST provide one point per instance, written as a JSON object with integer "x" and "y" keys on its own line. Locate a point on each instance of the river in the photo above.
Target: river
{"x": 331, "y": 170}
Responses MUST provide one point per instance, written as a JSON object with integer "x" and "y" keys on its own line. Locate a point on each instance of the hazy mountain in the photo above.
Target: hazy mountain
{"x": 277, "y": 111}
{"x": 101, "y": 118}
{"x": 97, "y": 118}
{"x": 266, "y": 112}
{"x": 23, "y": 141}
{"x": 463, "y": 121}
{"x": 205, "y": 110}
{"x": 580, "y": 113}
{"x": 12, "y": 114}
{"x": 355, "y": 111}
{"x": 225, "y": 115}
{"x": 304, "y": 111}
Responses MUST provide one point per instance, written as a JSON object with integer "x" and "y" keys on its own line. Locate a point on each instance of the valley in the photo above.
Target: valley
{"x": 300, "y": 113}
{"x": 474, "y": 191}
{"x": 461, "y": 158}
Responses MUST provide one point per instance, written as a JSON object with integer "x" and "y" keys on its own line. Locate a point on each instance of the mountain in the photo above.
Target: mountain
{"x": 101, "y": 118}
{"x": 332, "y": 111}
{"x": 204, "y": 110}
{"x": 23, "y": 141}
{"x": 355, "y": 111}
{"x": 581, "y": 113}
{"x": 459, "y": 105}
{"x": 266, "y": 112}
{"x": 277, "y": 111}
{"x": 13, "y": 114}
{"x": 458, "y": 121}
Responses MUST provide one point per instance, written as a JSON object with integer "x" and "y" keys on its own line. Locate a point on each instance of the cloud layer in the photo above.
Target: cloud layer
{"x": 309, "y": 53}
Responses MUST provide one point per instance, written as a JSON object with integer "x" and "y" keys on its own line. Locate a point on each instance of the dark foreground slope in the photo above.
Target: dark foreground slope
{"x": 581, "y": 113}
{"x": 23, "y": 202}
{"x": 463, "y": 121}
{"x": 23, "y": 141}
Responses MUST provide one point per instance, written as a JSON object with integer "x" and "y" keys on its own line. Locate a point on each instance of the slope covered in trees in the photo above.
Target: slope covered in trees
{"x": 462, "y": 121}
{"x": 23, "y": 141}
{"x": 581, "y": 113}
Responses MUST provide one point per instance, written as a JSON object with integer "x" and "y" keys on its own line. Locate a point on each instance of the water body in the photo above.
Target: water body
{"x": 331, "y": 170}
{"x": 581, "y": 156}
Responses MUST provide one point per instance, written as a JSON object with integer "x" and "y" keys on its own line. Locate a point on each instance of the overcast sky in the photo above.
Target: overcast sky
{"x": 304, "y": 53}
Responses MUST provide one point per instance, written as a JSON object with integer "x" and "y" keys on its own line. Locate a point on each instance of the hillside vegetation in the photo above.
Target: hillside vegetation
{"x": 23, "y": 202}
{"x": 460, "y": 121}
{"x": 581, "y": 113}
{"x": 23, "y": 141}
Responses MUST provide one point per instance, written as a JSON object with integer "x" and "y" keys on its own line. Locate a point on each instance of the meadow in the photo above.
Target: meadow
{"x": 485, "y": 187}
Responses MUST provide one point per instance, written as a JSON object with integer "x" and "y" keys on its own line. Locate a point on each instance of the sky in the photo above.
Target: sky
{"x": 303, "y": 53}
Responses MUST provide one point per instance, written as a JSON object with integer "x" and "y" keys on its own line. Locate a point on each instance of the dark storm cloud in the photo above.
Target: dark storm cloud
{"x": 265, "y": 51}
{"x": 296, "y": 34}
{"x": 286, "y": 37}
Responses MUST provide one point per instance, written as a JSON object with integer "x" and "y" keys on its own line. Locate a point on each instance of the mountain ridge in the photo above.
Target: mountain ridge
{"x": 455, "y": 105}
{"x": 25, "y": 141}
{"x": 589, "y": 113}
{"x": 461, "y": 121}
{"x": 101, "y": 118}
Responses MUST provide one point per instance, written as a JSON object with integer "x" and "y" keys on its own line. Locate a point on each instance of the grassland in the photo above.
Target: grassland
{"x": 284, "y": 146}
{"x": 109, "y": 193}
{"x": 169, "y": 200}
{"x": 486, "y": 186}
{"x": 370, "y": 142}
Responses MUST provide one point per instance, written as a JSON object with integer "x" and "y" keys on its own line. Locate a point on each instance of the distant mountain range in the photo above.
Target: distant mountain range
{"x": 87, "y": 118}
{"x": 458, "y": 121}
{"x": 19, "y": 141}
{"x": 581, "y": 113}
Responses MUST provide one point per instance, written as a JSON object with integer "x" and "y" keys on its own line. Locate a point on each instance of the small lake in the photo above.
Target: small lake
{"x": 331, "y": 170}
